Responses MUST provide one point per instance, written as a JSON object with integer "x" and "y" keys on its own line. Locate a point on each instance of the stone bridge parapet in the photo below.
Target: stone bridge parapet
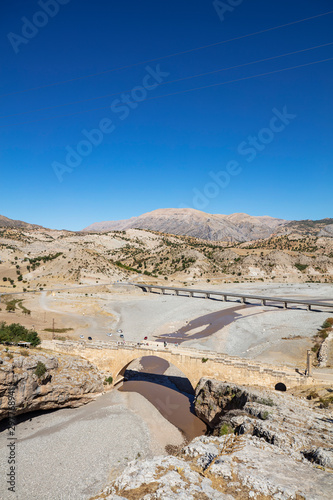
{"x": 193, "y": 363}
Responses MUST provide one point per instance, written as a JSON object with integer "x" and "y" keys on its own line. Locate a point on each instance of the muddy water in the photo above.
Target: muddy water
{"x": 175, "y": 406}
{"x": 204, "y": 326}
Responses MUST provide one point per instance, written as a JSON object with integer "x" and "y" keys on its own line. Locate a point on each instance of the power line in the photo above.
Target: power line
{"x": 180, "y": 92}
{"x": 169, "y": 55}
{"x": 172, "y": 81}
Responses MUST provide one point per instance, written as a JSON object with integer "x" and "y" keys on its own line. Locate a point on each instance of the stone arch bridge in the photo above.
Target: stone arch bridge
{"x": 193, "y": 363}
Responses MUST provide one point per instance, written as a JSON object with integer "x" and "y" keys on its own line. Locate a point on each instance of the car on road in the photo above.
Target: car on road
{"x": 121, "y": 336}
{"x": 145, "y": 338}
{"x": 89, "y": 338}
{"x": 119, "y": 331}
{"x": 81, "y": 336}
{"x": 109, "y": 334}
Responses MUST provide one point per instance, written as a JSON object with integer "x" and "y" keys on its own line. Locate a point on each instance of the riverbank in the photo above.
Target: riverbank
{"x": 71, "y": 454}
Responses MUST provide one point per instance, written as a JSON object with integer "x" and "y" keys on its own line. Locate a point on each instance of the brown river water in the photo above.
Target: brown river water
{"x": 175, "y": 405}
{"x": 204, "y": 326}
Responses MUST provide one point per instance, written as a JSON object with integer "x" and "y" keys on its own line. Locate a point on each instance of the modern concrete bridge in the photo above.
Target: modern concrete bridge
{"x": 244, "y": 297}
{"x": 193, "y": 363}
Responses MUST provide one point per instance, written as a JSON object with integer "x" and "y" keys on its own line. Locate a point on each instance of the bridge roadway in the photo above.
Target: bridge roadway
{"x": 244, "y": 297}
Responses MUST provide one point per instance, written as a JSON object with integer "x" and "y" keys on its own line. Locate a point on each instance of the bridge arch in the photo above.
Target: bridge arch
{"x": 120, "y": 366}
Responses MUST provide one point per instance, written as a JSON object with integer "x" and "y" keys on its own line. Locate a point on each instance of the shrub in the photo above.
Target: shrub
{"x": 264, "y": 415}
{"x": 328, "y": 323}
{"x": 24, "y": 352}
{"x": 225, "y": 429}
{"x": 315, "y": 348}
{"x": 40, "y": 369}
{"x": 301, "y": 267}
{"x": 108, "y": 380}
{"x": 204, "y": 360}
{"x": 16, "y": 333}
{"x": 323, "y": 334}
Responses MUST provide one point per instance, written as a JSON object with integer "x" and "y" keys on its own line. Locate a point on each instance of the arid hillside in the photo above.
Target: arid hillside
{"x": 38, "y": 258}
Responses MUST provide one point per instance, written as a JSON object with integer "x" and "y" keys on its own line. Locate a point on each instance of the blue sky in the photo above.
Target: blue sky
{"x": 260, "y": 145}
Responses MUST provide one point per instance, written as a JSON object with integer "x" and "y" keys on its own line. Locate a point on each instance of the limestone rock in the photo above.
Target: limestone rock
{"x": 279, "y": 419}
{"x": 68, "y": 382}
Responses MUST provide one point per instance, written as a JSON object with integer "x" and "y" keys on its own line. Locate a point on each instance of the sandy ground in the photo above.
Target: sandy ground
{"x": 70, "y": 454}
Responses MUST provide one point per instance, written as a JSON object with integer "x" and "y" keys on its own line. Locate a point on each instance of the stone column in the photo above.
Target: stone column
{"x": 309, "y": 363}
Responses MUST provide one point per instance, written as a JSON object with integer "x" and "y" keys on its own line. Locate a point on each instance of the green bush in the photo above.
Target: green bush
{"x": 225, "y": 429}
{"x": 40, "y": 369}
{"x": 17, "y": 333}
{"x": 301, "y": 267}
{"x": 204, "y": 360}
{"x": 108, "y": 380}
{"x": 328, "y": 323}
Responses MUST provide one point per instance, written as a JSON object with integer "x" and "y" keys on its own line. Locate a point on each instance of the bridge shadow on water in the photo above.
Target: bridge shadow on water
{"x": 176, "y": 383}
{"x": 167, "y": 389}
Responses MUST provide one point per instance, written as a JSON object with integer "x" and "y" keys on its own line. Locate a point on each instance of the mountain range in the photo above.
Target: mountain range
{"x": 237, "y": 227}
{"x": 215, "y": 227}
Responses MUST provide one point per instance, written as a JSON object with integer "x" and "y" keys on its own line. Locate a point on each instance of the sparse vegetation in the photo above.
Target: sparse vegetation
{"x": 40, "y": 369}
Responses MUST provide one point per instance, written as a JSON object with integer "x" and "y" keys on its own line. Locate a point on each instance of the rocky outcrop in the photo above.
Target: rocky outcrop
{"x": 68, "y": 381}
{"x": 276, "y": 446}
{"x": 280, "y": 419}
{"x": 323, "y": 353}
{"x": 223, "y": 468}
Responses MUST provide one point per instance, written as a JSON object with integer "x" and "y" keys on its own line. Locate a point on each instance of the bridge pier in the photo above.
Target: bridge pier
{"x": 224, "y": 298}
{"x": 309, "y": 307}
{"x": 207, "y": 296}
{"x": 190, "y": 294}
{"x": 177, "y": 292}
{"x": 285, "y": 305}
{"x": 243, "y": 300}
{"x": 263, "y": 302}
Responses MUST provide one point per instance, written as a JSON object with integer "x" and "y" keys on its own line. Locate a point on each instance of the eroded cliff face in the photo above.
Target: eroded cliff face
{"x": 292, "y": 424}
{"x": 67, "y": 382}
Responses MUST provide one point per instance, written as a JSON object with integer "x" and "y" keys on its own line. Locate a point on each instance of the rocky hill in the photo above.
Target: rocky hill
{"x": 10, "y": 223}
{"x": 265, "y": 445}
{"x": 197, "y": 224}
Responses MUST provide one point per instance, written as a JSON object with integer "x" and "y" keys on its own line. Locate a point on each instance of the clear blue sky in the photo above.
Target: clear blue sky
{"x": 158, "y": 150}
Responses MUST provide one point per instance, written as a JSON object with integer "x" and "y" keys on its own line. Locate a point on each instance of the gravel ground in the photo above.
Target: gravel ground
{"x": 71, "y": 454}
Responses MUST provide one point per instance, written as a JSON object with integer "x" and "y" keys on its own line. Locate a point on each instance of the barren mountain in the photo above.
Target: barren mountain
{"x": 321, "y": 227}
{"x": 197, "y": 224}
{"x": 5, "y": 222}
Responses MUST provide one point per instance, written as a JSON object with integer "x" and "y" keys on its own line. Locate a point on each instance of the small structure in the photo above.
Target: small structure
{"x": 24, "y": 344}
